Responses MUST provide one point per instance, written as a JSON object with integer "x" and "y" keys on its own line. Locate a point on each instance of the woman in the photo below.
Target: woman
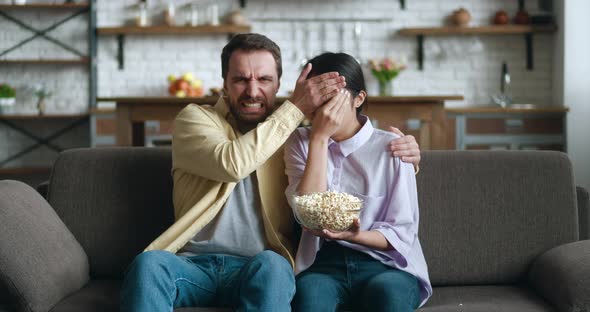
{"x": 378, "y": 264}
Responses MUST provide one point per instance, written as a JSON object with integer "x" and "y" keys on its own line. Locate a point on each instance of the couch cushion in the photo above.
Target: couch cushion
{"x": 103, "y": 296}
{"x": 485, "y": 215}
{"x": 40, "y": 260}
{"x": 583, "y": 212}
{"x": 114, "y": 200}
{"x": 485, "y": 299}
{"x": 98, "y": 296}
{"x": 562, "y": 276}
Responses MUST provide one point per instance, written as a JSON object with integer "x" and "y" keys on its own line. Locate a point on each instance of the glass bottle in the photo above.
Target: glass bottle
{"x": 169, "y": 14}
{"x": 505, "y": 85}
{"x": 141, "y": 19}
{"x": 194, "y": 15}
{"x": 213, "y": 13}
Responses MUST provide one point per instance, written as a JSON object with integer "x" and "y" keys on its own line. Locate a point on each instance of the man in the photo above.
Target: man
{"x": 232, "y": 242}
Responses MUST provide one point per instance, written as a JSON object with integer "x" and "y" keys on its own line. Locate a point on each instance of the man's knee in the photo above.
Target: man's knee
{"x": 272, "y": 260}
{"x": 272, "y": 267}
{"x": 151, "y": 262}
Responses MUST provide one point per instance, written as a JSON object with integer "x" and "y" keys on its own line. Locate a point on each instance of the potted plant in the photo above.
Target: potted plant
{"x": 7, "y": 95}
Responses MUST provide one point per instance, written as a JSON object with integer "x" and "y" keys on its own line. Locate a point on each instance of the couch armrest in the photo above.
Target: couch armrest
{"x": 583, "y": 212}
{"x": 43, "y": 188}
{"x": 40, "y": 260}
{"x": 562, "y": 276}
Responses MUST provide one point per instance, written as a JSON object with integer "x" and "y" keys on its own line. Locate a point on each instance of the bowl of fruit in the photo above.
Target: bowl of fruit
{"x": 185, "y": 86}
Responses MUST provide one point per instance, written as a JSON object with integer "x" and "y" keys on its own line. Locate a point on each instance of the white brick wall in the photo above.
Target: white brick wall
{"x": 475, "y": 75}
{"x": 150, "y": 59}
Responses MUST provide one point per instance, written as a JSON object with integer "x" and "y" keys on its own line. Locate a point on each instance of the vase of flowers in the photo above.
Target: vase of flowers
{"x": 385, "y": 70}
{"x": 42, "y": 93}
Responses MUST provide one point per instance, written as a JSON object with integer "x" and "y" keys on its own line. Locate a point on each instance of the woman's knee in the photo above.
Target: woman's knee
{"x": 317, "y": 292}
{"x": 392, "y": 289}
{"x": 271, "y": 257}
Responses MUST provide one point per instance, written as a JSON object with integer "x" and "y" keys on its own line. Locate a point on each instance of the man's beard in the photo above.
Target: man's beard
{"x": 243, "y": 122}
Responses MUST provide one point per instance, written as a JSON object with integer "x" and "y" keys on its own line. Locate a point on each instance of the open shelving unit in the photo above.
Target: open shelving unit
{"x": 526, "y": 30}
{"x": 66, "y": 121}
{"x": 80, "y": 57}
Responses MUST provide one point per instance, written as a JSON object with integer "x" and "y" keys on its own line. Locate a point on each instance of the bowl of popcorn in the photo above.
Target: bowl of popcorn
{"x": 333, "y": 211}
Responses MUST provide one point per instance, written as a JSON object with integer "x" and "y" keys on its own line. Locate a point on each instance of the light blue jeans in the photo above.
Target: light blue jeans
{"x": 343, "y": 278}
{"x": 162, "y": 281}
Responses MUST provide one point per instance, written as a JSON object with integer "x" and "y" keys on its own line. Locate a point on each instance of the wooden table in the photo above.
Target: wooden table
{"x": 133, "y": 112}
{"x": 428, "y": 110}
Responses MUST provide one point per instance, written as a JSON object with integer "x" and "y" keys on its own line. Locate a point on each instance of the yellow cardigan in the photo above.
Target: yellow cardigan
{"x": 209, "y": 156}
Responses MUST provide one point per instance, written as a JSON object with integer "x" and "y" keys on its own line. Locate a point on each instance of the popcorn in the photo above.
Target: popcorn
{"x": 334, "y": 211}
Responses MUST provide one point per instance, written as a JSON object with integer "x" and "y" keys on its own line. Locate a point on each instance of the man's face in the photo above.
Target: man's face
{"x": 251, "y": 85}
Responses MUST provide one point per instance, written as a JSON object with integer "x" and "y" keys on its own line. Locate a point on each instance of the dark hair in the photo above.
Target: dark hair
{"x": 250, "y": 42}
{"x": 346, "y": 66}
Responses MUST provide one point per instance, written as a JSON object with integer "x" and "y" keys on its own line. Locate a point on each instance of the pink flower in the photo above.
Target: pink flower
{"x": 387, "y": 64}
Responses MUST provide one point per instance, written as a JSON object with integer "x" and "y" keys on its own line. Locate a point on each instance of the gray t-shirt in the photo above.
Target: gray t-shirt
{"x": 237, "y": 229}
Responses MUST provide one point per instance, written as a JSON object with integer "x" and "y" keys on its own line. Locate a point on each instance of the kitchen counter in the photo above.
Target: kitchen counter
{"x": 213, "y": 99}
{"x": 514, "y": 109}
{"x": 427, "y": 111}
{"x": 514, "y": 127}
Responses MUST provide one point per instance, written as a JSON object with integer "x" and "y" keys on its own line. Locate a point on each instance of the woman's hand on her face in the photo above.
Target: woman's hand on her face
{"x": 348, "y": 235}
{"x": 328, "y": 118}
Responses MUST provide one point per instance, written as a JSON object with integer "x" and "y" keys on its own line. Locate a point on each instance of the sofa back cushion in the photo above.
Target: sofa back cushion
{"x": 485, "y": 215}
{"x": 114, "y": 200}
{"x": 40, "y": 260}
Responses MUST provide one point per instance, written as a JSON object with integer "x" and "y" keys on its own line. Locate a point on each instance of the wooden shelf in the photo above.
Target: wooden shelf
{"x": 103, "y": 111}
{"x": 50, "y": 116}
{"x": 46, "y": 61}
{"x": 25, "y": 170}
{"x": 526, "y": 30}
{"x": 35, "y": 6}
{"x": 478, "y": 30}
{"x": 122, "y": 31}
{"x": 172, "y": 30}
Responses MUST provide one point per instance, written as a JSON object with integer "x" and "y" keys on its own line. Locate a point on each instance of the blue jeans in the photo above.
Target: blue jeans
{"x": 343, "y": 278}
{"x": 162, "y": 281}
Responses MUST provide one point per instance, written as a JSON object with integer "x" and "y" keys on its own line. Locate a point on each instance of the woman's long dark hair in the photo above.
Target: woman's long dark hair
{"x": 346, "y": 66}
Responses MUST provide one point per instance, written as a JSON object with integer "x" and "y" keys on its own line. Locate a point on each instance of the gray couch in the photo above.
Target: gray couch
{"x": 500, "y": 230}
